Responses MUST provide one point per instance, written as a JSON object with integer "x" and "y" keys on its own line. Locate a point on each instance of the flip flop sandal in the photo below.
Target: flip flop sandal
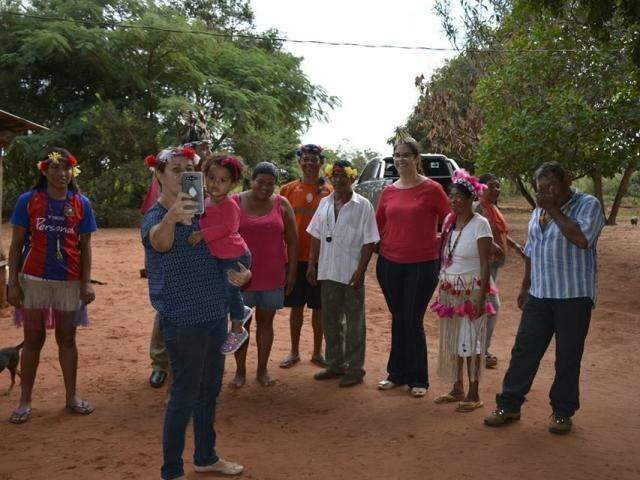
{"x": 418, "y": 392}
{"x": 289, "y": 362}
{"x": 447, "y": 398}
{"x": 82, "y": 407}
{"x": 319, "y": 361}
{"x": 387, "y": 385}
{"x": 19, "y": 417}
{"x": 234, "y": 341}
{"x": 466, "y": 407}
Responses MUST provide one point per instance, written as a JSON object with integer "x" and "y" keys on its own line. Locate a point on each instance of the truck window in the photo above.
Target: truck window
{"x": 370, "y": 171}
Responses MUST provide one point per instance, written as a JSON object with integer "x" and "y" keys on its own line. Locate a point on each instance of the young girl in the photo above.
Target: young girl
{"x": 219, "y": 228}
{"x": 50, "y": 272}
{"x": 464, "y": 287}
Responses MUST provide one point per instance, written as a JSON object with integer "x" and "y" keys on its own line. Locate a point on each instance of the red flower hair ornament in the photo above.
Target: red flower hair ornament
{"x": 152, "y": 161}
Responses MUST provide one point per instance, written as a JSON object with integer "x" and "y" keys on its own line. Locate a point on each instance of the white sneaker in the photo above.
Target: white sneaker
{"x": 248, "y": 312}
{"x": 221, "y": 466}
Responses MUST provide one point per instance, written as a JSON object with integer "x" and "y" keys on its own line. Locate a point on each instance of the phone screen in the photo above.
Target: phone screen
{"x": 193, "y": 185}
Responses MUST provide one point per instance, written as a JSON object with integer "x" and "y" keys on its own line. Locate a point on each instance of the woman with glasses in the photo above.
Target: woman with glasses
{"x": 408, "y": 214}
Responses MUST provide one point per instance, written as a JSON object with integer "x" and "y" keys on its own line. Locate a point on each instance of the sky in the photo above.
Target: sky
{"x": 376, "y": 86}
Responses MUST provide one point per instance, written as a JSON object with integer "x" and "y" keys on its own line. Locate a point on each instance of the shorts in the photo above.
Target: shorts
{"x": 57, "y": 300}
{"x": 303, "y": 292}
{"x": 264, "y": 299}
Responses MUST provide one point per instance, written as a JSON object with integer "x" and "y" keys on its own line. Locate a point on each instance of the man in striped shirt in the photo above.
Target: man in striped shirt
{"x": 557, "y": 296}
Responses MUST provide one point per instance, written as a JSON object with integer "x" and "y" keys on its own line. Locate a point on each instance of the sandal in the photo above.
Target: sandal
{"x": 82, "y": 407}
{"x": 20, "y": 416}
{"x": 446, "y": 398}
{"x": 466, "y": 407}
{"x": 290, "y": 361}
{"x": 234, "y": 341}
{"x": 387, "y": 385}
{"x": 319, "y": 361}
{"x": 418, "y": 392}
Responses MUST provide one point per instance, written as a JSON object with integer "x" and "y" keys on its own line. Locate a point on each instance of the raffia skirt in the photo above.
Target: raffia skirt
{"x": 461, "y": 334}
{"x": 55, "y": 303}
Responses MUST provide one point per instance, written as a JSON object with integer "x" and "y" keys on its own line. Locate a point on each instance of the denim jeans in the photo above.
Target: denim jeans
{"x": 568, "y": 319}
{"x": 234, "y": 295}
{"x": 197, "y": 365}
{"x": 407, "y": 288}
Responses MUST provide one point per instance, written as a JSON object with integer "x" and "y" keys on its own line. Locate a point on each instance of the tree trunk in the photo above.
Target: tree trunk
{"x": 523, "y": 189}
{"x": 596, "y": 176}
{"x": 622, "y": 191}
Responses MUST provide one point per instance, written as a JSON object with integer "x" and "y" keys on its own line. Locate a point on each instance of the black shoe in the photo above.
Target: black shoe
{"x": 327, "y": 375}
{"x": 350, "y": 381}
{"x": 560, "y": 425}
{"x": 157, "y": 378}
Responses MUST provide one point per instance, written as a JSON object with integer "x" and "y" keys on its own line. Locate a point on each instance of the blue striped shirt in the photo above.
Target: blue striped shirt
{"x": 560, "y": 269}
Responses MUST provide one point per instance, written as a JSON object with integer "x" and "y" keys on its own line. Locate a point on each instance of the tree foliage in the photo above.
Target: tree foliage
{"x": 543, "y": 87}
{"x": 113, "y": 95}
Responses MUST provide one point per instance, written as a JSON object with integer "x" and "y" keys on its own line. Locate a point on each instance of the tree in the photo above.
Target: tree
{"x": 112, "y": 95}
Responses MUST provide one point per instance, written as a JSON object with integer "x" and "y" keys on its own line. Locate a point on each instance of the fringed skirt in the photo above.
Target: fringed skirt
{"x": 50, "y": 303}
{"x": 461, "y": 334}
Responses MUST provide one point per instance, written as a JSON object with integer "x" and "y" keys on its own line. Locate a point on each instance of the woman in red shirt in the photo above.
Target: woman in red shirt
{"x": 408, "y": 215}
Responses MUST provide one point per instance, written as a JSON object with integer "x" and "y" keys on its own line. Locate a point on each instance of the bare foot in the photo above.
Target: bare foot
{"x": 265, "y": 379}
{"x": 238, "y": 381}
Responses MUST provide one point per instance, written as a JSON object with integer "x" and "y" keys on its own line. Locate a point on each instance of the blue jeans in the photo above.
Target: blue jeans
{"x": 234, "y": 295}
{"x": 197, "y": 365}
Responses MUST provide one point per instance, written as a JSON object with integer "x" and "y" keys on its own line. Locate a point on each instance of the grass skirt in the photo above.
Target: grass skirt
{"x": 461, "y": 334}
{"x": 52, "y": 302}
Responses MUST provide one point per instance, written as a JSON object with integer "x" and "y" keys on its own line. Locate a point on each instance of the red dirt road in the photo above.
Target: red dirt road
{"x": 303, "y": 429}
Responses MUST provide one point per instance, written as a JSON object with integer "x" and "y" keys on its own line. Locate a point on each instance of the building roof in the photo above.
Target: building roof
{"x": 17, "y": 124}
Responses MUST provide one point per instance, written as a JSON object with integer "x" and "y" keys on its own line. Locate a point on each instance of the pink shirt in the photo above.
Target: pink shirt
{"x": 265, "y": 238}
{"x": 408, "y": 221}
{"x": 219, "y": 226}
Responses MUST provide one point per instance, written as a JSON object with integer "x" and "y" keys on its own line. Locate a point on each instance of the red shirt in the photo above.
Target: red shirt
{"x": 219, "y": 226}
{"x": 408, "y": 221}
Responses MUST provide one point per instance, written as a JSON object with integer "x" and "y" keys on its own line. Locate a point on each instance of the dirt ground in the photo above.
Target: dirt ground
{"x": 304, "y": 429}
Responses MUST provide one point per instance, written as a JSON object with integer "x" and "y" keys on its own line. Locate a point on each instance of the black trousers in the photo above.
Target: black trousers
{"x": 407, "y": 288}
{"x": 568, "y": 320}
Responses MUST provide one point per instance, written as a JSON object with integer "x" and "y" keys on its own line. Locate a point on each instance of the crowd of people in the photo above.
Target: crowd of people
{"x": 255, "y": 252}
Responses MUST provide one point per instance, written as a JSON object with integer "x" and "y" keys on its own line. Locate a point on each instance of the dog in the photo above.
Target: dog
{"x": 634, "y": 221}
{"x": 9, "y": 359}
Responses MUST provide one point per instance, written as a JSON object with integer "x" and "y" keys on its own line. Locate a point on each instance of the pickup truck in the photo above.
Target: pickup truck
{"x": 381, "y": 172}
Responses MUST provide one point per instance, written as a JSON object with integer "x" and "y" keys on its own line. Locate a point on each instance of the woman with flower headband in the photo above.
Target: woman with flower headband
{"x": 408, "y": 214}
{"x": 50, "y": 272}
{"x": 187, "y": 289}
{"x": 463, "y": 297}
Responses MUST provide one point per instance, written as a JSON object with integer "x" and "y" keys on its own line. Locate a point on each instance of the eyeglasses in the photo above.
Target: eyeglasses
{"x": 402, "y": 156}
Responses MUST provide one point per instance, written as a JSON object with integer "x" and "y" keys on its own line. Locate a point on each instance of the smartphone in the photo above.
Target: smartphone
{"x": 193, "y": 185}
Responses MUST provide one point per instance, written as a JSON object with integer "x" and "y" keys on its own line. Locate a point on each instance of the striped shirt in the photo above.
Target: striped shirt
{"x": 560, "y": 269}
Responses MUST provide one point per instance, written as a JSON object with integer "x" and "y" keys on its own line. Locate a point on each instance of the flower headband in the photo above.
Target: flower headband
{"x": 152, "y": 161}
{"x": 310, "y": 148}
{"x": 237, "y": 165}
{"x": 55, "y": 158}
{"x": 350, "y": 172}
{"x": 468, "y": 181}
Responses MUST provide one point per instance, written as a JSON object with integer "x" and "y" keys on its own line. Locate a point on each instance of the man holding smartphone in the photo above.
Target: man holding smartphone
{"x": 188, "y": 292}
{"x": 557, "y": 297}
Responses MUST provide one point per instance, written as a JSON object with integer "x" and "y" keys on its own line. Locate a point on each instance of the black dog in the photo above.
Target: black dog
{"x": 9, "y": 359}
{"x": 634, "y": 221}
